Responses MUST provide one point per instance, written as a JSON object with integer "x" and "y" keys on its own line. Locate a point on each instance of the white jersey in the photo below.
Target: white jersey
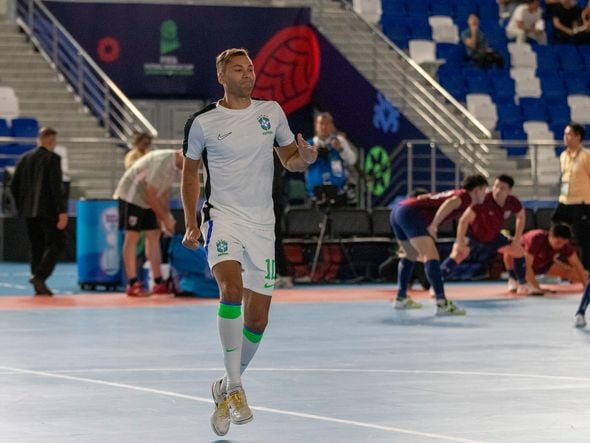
{"x": 236, "y": 147}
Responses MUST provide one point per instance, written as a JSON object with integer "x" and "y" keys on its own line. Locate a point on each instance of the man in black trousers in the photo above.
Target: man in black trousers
{"x": 38, "y": 193}
{"x": 574, "y": 198}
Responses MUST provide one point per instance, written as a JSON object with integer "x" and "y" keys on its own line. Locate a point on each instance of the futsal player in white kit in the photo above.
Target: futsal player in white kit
{"x": 233, "y": 138}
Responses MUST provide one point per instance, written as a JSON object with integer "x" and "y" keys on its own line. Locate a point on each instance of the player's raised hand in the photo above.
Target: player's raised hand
{"x": 307, "y": 152}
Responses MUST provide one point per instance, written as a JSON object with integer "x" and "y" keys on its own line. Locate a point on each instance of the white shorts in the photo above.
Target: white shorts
{"x": 253, "y": 248}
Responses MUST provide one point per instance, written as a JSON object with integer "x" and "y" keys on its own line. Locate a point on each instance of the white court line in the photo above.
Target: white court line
{"x": 12, "y": 286}
{"x": 256, "y": 408}
{"x": 329, "y": 370}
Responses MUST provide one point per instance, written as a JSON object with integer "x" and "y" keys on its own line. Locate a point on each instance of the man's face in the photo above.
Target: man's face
{"x": 473, "y": 22}
{"x": 500, "y": 191}
{"x": 570, "y": 138}
{"x": 49, "y": 141}
{"x": 557, "y": 242}
{"x": 238, "y": 77}
{"x": 323, "y": 126}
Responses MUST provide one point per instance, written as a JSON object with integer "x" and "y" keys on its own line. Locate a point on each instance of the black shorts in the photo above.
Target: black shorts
{"x": 136, "y": 218}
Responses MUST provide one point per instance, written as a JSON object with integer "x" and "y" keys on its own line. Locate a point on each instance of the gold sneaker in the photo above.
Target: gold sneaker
{"x": 239, "y": 411}
{"x": 220, "y": 418}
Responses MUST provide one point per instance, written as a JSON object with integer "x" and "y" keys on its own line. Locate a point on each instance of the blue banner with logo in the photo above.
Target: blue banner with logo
{"x": 169, "y": 50}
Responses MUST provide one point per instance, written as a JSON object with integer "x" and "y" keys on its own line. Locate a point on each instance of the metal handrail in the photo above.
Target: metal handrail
{"x": 93, "y": 87}
{"x": 422, "y": 73}
{"x": 406, "y": 148}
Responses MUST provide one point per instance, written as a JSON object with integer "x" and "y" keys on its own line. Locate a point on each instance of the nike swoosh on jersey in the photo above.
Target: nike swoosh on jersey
{"x": 268, "y": 285}
{"x": 221, "y": 137}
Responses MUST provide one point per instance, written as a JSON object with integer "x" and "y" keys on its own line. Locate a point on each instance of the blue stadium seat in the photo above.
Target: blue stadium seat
{"x": 477, "y": 84}
{"x": 514, "y": 150}
{"x": 547, "y": 59}
{"x": 576, "y": 84}
{"x": 396, "y": 30}
{"x": 418, "y": 27}
{"x": 509, "y": 114}
{"x": 24, "y": 127}
{"x": 496, "y": 36}
{"x": 454, "y": 84}
{"x": 551, "y": 86}
{"x": 453, "y": 54}
{"x": 421, "y": 7}
{"x": 584, "y": 51}
{"x": 533, "y": 109}
{"x": 489, "y": 11}
{"x": 502, "y": 89}
{"x": 569, "y": 58}
{"x": 395, "y": 6}
{"x": 442, "y": 7}
{"x": 15, "y": 149}
{"x": 4, "y": 129}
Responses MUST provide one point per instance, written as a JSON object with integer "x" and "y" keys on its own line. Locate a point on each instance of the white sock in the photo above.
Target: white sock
{"x": 250, "y": 343}
{"x": 230, "y": 324}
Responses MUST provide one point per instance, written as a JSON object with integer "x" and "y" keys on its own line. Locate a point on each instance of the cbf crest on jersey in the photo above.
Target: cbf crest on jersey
{"x": 221, "y": 247}
{"x": 264, "y": 124}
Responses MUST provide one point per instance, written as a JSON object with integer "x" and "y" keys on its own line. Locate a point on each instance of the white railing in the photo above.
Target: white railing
{"x": 91, "y": 85}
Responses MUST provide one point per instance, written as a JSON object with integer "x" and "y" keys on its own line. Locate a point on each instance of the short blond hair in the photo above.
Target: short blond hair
{"x": 222, "y": 59}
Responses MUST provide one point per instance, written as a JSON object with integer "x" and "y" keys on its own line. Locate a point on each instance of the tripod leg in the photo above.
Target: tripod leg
{"x": 316, "y": 256}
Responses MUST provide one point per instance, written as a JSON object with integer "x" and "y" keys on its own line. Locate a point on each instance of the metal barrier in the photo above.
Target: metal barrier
{"x": 407, "y": 164}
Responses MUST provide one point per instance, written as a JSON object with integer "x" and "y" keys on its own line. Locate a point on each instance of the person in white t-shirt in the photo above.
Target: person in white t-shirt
{"x": 143, "y": 193}
{"x": 527, "y": 22}
{"x": 234, "y": 138}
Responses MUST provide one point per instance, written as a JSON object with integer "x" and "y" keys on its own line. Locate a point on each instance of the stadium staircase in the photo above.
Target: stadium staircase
{"x": 43, "y": 94}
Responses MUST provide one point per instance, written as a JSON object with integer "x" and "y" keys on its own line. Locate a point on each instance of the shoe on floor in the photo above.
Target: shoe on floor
{"x": 449, "y": 308}
{"x": 406, "y": 303}
{"x": 579, "y": 321}
{"x": 136, "y": 290}
{"x": 40, "y": 287}
{"x": 239, "y": 411}
{"x": 160, "y": 288}
{"x": 220, "y": 418}
{"x": 524, "y": 289}
{"x": 283, "y": 282}
{"x": 512, "y": 285}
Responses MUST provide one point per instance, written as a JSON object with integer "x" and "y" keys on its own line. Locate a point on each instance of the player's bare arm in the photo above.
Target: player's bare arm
{"x": 190, "y": 189}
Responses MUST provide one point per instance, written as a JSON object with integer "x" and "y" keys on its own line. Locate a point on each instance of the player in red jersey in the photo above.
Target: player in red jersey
{"x": 549, "y": 253}
{"x": 479, "y": 229}
{"x": 415, "y": 222}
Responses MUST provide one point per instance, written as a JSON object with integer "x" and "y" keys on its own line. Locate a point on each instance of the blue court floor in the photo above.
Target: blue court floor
{"x": 510, "y": 371}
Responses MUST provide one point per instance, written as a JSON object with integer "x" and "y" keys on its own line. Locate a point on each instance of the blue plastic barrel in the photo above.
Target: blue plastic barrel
{"x": 97, "y": 243}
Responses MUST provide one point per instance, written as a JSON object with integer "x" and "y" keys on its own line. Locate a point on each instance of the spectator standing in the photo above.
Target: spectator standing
{"x": 574, "y": 197}
{"x": 476, "y": 45}
{"x": 143, "y": 193}
{"x": 527, "y": 22}
{"x": 38, "y": 193}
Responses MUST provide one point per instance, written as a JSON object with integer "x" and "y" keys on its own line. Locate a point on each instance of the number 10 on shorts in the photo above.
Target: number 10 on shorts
{"x": 270, "y": 270}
